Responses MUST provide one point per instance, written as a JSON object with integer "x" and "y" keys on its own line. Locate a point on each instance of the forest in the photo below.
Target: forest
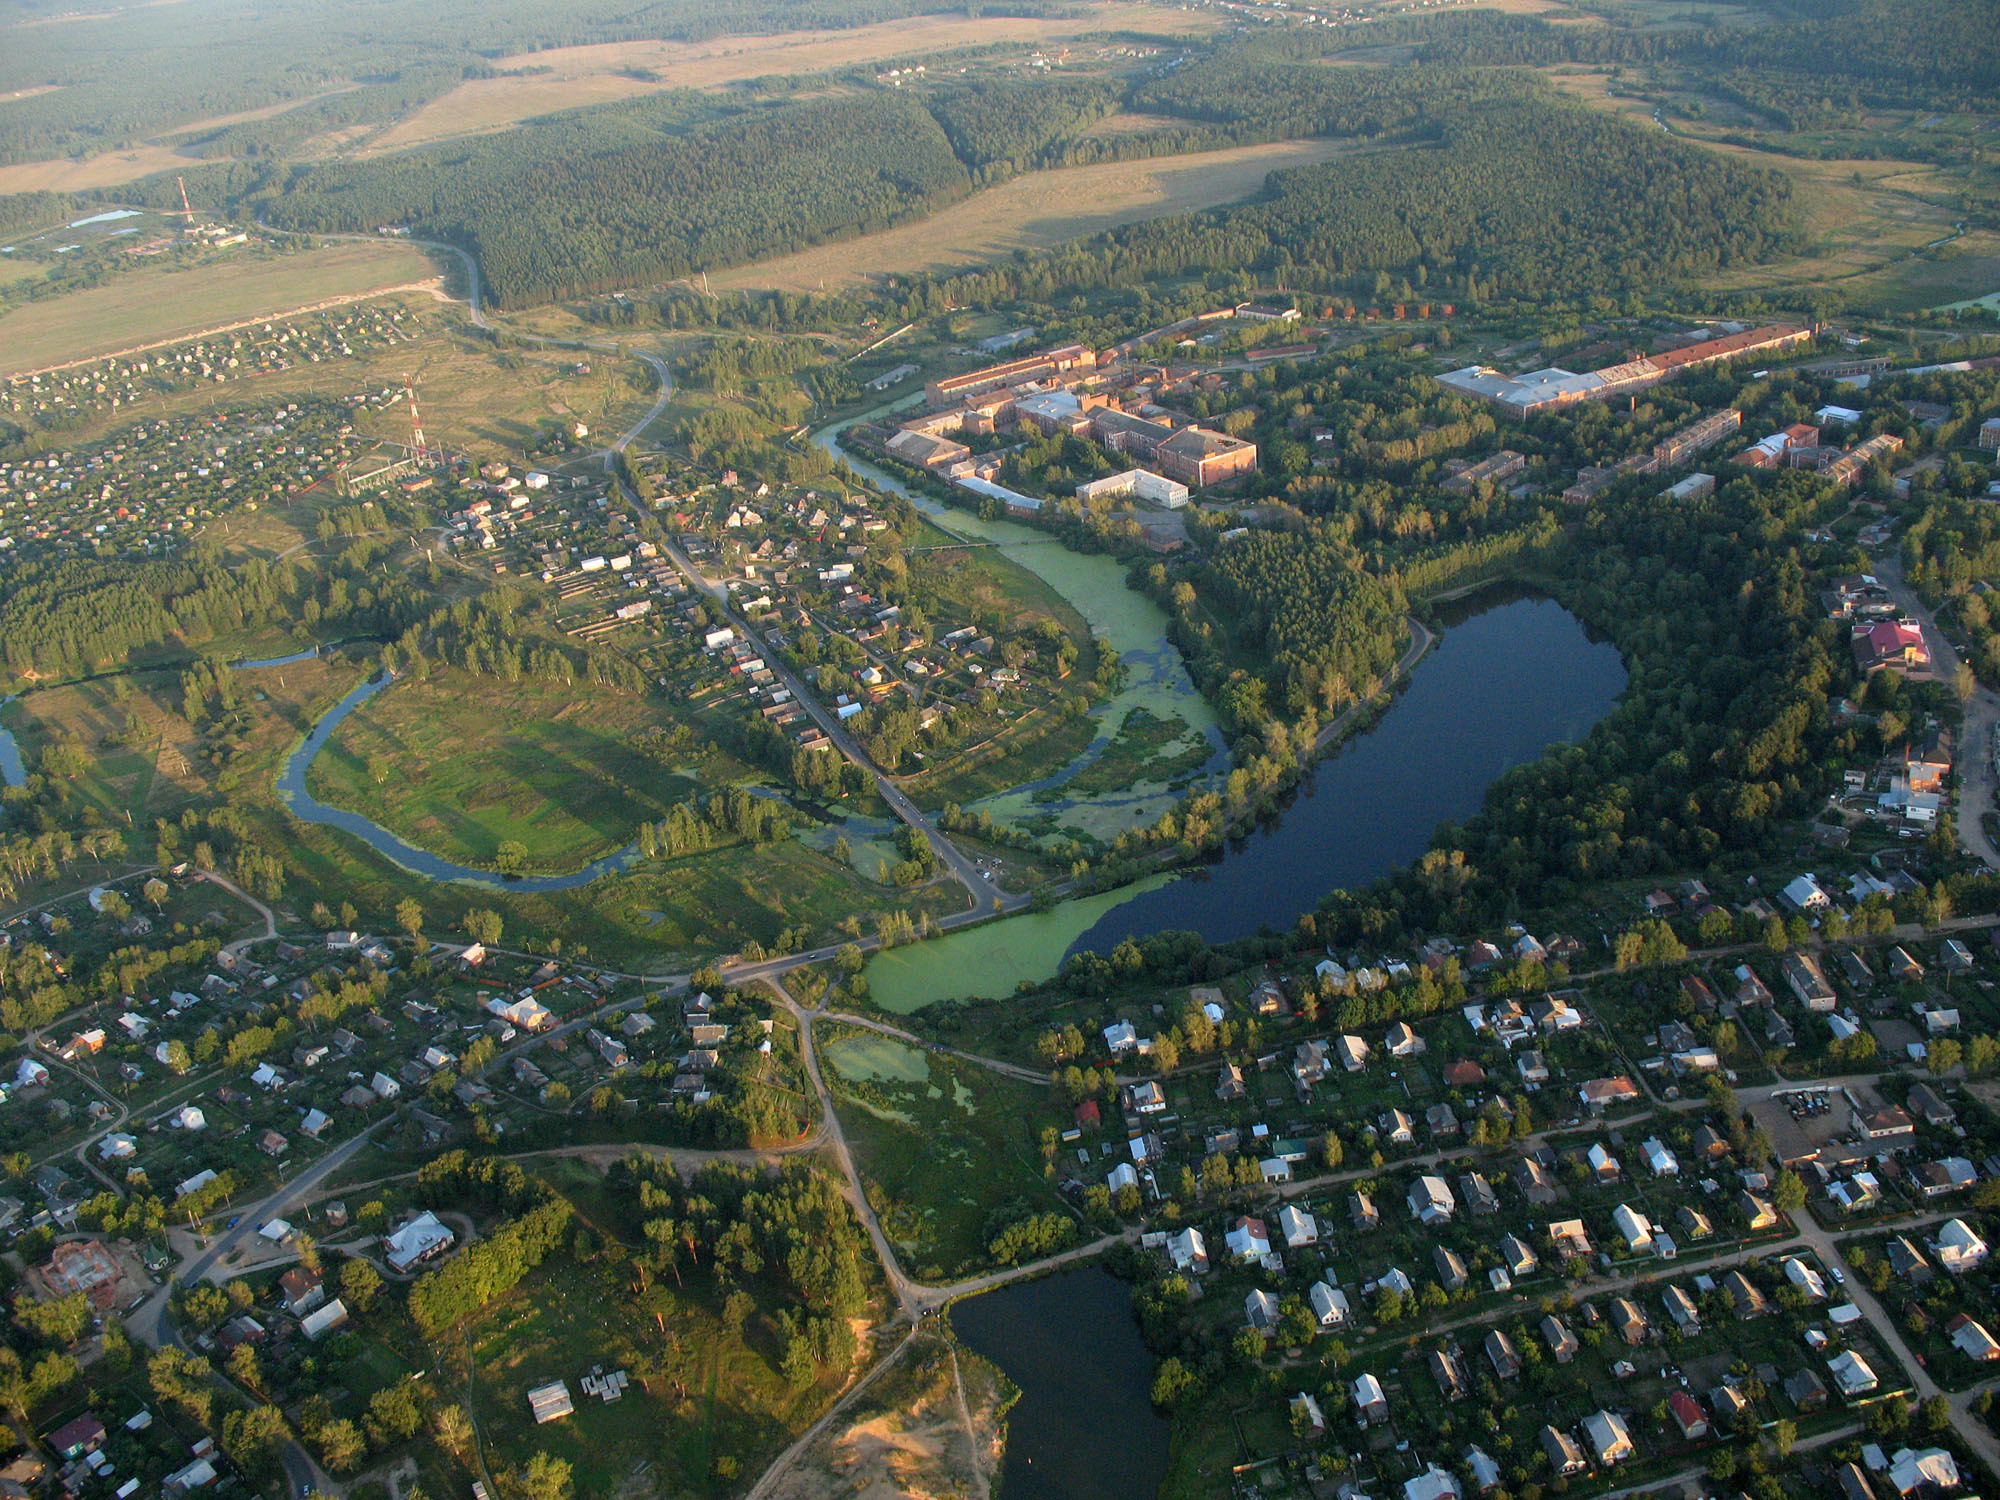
{"x": 584, "y": 203}
{"x": 1716, "y": 744}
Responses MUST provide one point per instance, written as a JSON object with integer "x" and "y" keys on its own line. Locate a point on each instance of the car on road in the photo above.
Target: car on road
{"x": 1839, "y": 1276}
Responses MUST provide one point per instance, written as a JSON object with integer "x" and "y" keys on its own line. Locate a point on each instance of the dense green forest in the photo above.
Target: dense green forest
{"x": 1715, "y": 745}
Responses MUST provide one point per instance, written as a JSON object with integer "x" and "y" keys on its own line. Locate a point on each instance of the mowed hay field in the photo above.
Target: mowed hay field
{"x": 73, "y": 175}
{"x": 598, "y": 74}
{"x": 1036, "y": 211}
{"x": 149, "y": 306}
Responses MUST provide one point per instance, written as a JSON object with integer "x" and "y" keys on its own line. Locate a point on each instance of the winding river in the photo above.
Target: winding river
{"x": 1513, "y": 676}
{"x": 309, "y": 809}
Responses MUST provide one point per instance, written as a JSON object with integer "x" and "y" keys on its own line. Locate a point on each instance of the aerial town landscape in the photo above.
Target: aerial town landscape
{"x": 1237, "y": 748}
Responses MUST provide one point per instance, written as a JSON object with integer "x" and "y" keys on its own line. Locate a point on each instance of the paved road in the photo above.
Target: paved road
{"x": 1977, "y": 779}
{"x": 987, "y": 899}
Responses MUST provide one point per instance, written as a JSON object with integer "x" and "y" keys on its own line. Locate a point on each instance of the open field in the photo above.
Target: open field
{"x": 459, "y": 764}
{"x": 147, "y": 307}
{"x": 110, "y": 168}
{"x": 1035, "y": 211}
{"x": 604, "y": 73}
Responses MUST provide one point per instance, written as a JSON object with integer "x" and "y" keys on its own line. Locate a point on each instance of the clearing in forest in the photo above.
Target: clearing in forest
{"x": 150, "y": 306}
{"x": 1035, "y": 211}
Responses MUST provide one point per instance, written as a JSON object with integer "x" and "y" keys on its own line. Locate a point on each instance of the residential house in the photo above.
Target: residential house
{"x": 1402, "y": 1041}
{"x": 1562, "y": 1343}
{"x": 1926, "y": 1105}
{"x": 1188, "y": 1251}
{"x": 1352, "y": 1051}
{"x": 1565, "y": 1458}
{"x": 1397, "y": 1128}
{"x": 1687, "y": 1415}
{"x": 1659, "y": 1160}
{"x": 1442, "y": 1121}
{"x": 1329, "y": 1305}
{"x": 423, "y": 1239}
{"x": 1533, "y": 1182}
{"x": 1907, "y": 1262}
{"x": 1958, "y": 1248}
{"x": 1502, "y": 1354}
{"x": 1247, "y": 1241}
{"x": 1806, "y": 1278}
{"x": 1121, "y": 1039}
{"x": 1362, "y": 1211}
{"x": 1750, "y": 990}
{"x": 1260, "y": 1310}
{"x": 1486, "y": 1473}
{"x": 1709, "y": 1143}
{"x": 1448, "y": 1370}
{"x": 1370, "y": 1403}
{"x": 1433, "y": 1484}
{"x": 1972, "y": 1339}
{"x": 1744, "y": 1297}
{"x": 1298, "y": 1227}
{"x": 1464, "y": 1074}
{"x": 1952, "y": 1175}
{"x": 1808, "y": 981}
{"x": 1609, "y": 1439}
{"x": 1451, "y": 1272}
{"x": 1852, "y": 1374}
{"x": 1923, "y": 1473}
{"x": 1757, "y": 1213}
{"x": 1602, "y": 1164}
{"x": 1309, "y": 1063}
{"x": 1431, "y": 1201}
{"x": 1533, "y": 1066}
{"x": 1806, "y": 1390}
{"x": 1229, "y": 1086}
{"x": 1569, "y": 1238}
{"x": 1628, "y": 1322}
{"x": 1601, "y": 1094}
{"x": 1307, "y": 1417}
{"x": 1634, "y": 1226}
{"x": 1516, "y": 1256}
{"x": 303, "y": 1290}
{"x": 1146, "y": 1098}
{"x": 1693, "y": 1223}
{"x": 1478, "y": 1194}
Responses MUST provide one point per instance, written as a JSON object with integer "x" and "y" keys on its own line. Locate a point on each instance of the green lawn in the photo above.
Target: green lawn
{"x": 459, "y": 765}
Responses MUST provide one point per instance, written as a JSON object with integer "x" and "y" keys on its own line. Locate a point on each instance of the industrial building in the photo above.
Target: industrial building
{"x": 1155, "y": 488}
{"x": 953, "y": 389}
{"x": 1522, "y": 396}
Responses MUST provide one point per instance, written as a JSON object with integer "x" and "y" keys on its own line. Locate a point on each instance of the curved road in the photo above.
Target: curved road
{"x": 1975, "y": 749}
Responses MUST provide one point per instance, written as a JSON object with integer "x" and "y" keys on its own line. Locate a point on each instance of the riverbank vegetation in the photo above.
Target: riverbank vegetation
{"x": 953, "y": 1157}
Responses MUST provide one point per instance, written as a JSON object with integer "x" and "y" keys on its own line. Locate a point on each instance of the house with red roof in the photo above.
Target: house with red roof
{"x": 1895, "y": 644}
